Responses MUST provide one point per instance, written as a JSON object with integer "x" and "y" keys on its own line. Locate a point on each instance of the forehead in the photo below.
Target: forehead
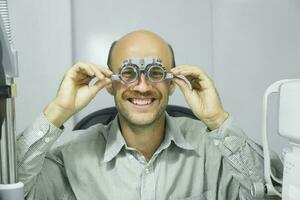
{"x": 143, "y": 48}
{"x": 142, "y": 62}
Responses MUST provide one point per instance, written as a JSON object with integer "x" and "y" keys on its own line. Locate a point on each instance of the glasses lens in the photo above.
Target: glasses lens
{"x": 128, "y": 73}
{"x": 156, "y": 73}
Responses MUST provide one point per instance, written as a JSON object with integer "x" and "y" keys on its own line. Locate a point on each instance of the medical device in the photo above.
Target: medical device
{"x": 287, "y": 187}
{"x": 152, "y": 68}
{"x": 10, "y": 188}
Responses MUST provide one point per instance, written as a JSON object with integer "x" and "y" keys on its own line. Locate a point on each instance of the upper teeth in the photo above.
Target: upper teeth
{"x": 141, "y": 101}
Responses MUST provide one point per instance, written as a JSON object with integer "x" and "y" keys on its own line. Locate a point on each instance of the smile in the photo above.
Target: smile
{"x": 141, "y": 102}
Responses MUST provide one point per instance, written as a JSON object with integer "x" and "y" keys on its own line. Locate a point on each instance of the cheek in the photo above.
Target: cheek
{"x": 164, "y": 87}
{"x": 118, "y": 90}
{"x": 163, "y": 90}
{"x": 118, "y": 87}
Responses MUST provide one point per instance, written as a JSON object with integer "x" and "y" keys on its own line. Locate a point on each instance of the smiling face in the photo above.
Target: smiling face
{"x": 142, "y": 102}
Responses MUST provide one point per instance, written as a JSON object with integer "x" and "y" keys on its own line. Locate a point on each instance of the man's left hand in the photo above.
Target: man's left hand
{"x": 203, "y": 98}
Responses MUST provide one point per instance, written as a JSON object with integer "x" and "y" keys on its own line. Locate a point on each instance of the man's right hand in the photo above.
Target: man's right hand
{"x": 75, "y": 92}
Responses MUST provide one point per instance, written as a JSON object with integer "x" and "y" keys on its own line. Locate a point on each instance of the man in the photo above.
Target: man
{"x": 143, "y": 153}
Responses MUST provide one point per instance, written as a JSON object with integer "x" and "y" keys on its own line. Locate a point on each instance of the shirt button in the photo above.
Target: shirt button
{"x": 217, "y": 142}
{"x": 227, "y": 139}
{"x": 147, "y": 171}
{"x": 40, "y": 133}
{"x": 47, "y": 140}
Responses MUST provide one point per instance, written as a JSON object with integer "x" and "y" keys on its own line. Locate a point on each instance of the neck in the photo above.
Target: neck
{"x": 146, "y": 139}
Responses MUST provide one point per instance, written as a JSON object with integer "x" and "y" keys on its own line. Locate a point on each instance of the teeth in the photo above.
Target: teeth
{"x": 141, "y": 101}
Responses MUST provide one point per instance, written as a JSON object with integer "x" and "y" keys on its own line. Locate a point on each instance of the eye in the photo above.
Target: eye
{"x": 156, "y": 73}
{"x": 128, "y": 73}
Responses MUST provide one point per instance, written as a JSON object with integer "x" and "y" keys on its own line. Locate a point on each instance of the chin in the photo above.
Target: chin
{"x": 142, "y": 119}
{"x": 138, "y": 118}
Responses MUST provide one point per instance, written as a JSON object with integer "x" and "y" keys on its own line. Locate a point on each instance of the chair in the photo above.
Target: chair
{"x": 106, "y": 115}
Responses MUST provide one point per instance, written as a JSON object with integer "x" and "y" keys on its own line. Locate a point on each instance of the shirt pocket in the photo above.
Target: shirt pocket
{"x": 204, "y": 196}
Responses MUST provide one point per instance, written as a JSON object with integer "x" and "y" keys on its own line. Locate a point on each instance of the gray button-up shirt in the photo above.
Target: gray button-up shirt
{"x": 191, "y": 163}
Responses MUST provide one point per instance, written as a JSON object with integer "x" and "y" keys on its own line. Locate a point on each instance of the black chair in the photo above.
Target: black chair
{"x": 106, "y": 115}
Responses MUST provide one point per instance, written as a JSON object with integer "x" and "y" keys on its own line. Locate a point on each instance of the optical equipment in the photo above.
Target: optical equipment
{"x": 132, "y": 69}
{"x": 10, "y": 188}
{"x": 288, "y": 186}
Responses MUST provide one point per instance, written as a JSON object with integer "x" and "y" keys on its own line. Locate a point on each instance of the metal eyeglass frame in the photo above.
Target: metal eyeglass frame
{"x": 142, "y": 65}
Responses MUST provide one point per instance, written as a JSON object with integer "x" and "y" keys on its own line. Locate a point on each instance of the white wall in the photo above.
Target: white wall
{"x": 255, "y": 43}
{"x": 243, "y": 45}
{"x": 42, "y": 35}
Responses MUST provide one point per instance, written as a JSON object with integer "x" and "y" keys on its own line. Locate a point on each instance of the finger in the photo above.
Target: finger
{"x": 83, "y": 68}
{"x": 101, "y": 70}
{"x": 185, "y": 80}
{"x": 84, "y": 81}
{"x": 184, "y": 87}
{"x": 99, "y": 85}
{"x": 197, "y": 77}
{"x": 187, "y": 67}
{"x": 192, "y": 71}
{"x": 98, "y": 72}
{"x": 74, "y": 78}
{"x": 192, "y": 74}
{"x": 80, "y": 76}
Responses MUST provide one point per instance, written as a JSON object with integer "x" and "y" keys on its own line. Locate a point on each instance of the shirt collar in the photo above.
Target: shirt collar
{"x": 175, "y": 134}
{"x": 115, "y": 140}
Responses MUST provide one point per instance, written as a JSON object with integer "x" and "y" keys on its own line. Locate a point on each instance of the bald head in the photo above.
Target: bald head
{"x": 140, "y": 44}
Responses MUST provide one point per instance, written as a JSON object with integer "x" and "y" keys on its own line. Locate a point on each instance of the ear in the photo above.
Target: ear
{"x": 172, "y": 87}
{"x": 110, "y": 89}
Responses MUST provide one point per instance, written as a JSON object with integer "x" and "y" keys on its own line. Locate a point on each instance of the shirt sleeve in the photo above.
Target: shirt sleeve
{"x": 241, "y": 153}
{"x": 32, "y": 147}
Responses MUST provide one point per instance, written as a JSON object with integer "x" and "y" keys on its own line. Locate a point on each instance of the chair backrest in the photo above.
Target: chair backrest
{"x": 106, "y": 115}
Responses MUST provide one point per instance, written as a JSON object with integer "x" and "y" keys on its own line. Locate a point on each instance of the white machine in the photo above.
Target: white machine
{"x": 288, "y": 187}
{"x": 10, "y": 188}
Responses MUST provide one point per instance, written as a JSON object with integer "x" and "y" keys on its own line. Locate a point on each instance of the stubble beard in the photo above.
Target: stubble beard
{"x": 141, "y": 120}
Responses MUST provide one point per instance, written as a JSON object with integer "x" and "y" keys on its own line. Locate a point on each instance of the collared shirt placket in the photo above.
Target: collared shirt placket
{"x": 148, "y": 183}
{"x": 147, "y": 177}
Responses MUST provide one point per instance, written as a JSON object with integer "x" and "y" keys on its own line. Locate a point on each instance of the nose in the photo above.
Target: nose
{"x": 143, "y": 84}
